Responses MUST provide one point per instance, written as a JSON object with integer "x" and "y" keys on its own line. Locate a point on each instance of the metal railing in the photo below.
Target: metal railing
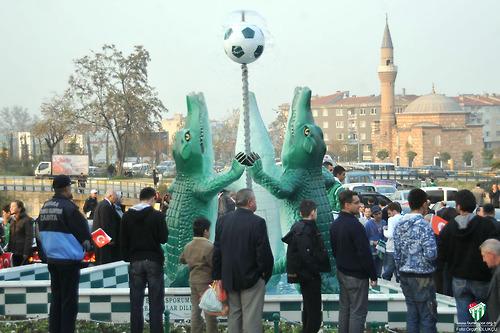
{"x": 129, "y": 189}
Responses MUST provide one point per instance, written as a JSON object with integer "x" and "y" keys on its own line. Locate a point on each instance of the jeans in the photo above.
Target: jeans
{"x": 64, "y": 279}
{"x": 378, "y": 265}
{"x": 389, "y": 267}
{"x": 353, "y": 306}
{"x": 148, "y": 272}
{"x": 311, "y": 297}
{"x": 420, "y": 297}
{"x": 466, "y": 292}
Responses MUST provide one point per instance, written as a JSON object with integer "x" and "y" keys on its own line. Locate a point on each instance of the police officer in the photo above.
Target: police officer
{"x": 65, "y": 236}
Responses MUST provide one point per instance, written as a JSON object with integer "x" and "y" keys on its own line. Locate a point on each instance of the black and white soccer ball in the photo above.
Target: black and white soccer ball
{"x": 244, "y": 43}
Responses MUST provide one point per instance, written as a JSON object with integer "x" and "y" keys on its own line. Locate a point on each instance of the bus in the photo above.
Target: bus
{"x": 368, "y": 166}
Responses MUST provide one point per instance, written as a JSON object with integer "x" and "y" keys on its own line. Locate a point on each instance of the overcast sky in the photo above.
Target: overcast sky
{"x": 327, "y": 45}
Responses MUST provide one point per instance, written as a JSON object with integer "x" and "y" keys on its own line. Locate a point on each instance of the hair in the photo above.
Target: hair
{"x": 466, "y": 200}
{"x": 326, "y": 164}
{"x": 200, "y": 224}
{"x": 306, "y": 207}
{"x": 447, "y": 213}
{"x": 491, "y": 245}
{"x": 244, "y": 196}
{"x": 346, "y": 197}
{"x": 371, "y": 202}
{"x": 110, "y": 192}
{"x": 147, "y": 193}
{"x": 338, "y": 170}
{"x": 368, "y": 207}
{"x": 489, "y": 209}
{"x": 6, "y": 208}
{"x": 478, "y": 184}
{"x": 60, "y": 190}
{"x": 20, "y": 205}
{"x": 382, "y": 202}
{"x": 394, "y": 206}
{"x": 416, "y": 198}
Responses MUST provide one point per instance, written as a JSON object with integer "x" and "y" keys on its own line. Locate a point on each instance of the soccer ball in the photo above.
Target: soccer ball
{"x": 244, "y": 43}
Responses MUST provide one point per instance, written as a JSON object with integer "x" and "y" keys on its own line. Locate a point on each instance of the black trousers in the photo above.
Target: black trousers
{"x": 311, "y": 298}
{"x": 64, "y": 279}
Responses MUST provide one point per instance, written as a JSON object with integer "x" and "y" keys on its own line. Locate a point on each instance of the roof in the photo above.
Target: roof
{"x": 330, "y": 99}
{"x": 433, "y": 103}
{"x": 387, "y": 40}
{"x": 478, "y": 100}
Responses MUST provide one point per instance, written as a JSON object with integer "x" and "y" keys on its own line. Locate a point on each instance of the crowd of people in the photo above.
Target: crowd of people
{"x": 368, "y": 241}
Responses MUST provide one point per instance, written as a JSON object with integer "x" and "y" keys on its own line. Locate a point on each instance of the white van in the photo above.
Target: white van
{"x": 440, "y": 193}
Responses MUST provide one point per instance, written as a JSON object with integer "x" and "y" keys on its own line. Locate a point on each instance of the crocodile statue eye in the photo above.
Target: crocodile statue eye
{"x": 187, "y": 136}
{"x": 307, "y": 131}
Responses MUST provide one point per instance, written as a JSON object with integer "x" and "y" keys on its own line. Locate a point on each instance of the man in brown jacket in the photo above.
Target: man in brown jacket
{"x": 197, "y": 255}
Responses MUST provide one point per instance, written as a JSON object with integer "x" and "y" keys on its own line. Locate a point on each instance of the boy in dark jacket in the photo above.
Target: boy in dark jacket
{"x": 458, "y": 246}
{"x": 306, "y": 259}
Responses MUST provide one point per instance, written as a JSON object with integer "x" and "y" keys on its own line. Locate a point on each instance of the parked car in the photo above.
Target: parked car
{"x": 358, "y": 177}
{"x": 375, "y": 197}
{"x": 439, "y": 193}
{"x": 432, "y": 171}
{"x": 400, "y": 196}
{"x": 140, "y": 169}
{"x": 166, "y": 168}
{"x": 387, "y": 190}
{"x": 360, "y": 187}
{"x": 441, "y": 204}
{"x": 406, "y": 172}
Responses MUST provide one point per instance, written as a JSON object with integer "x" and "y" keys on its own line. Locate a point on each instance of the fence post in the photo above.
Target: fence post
{"x": 166, "y": 326}
{"x": 276, "y": 320}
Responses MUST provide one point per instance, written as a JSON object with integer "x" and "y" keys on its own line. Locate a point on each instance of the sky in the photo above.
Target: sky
{"x": 327, "y": 45}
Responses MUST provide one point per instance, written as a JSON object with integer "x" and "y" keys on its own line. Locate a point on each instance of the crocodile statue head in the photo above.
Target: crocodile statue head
{"x": 193, "y": 152}
{"x": 303, "y": 146}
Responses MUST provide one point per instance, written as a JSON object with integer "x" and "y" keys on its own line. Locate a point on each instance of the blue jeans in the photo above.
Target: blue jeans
{"x": 148, "y": 272}
{"x": 389, "y": 267}
{"x": 420, "y": 297}
{"x": 466, "y": 292}
{"x": 378, "y": 265}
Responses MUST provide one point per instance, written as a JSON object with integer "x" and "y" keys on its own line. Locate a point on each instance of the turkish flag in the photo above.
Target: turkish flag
{"x": 6, "y": 260}
{"x": 438, "y": 224}
{"x": 100, "y": 238}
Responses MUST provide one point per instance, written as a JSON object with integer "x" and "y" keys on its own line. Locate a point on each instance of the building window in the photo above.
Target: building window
{"x": 468, "y": 139}
{"x": 351, "y": 112}
{"x": 352, "y": 124}
{"x": 363, "y": 136}
{"x": 325, "y": 113}
{"x": 325, "y": 124}
{"x": 340, "y": 136}
{"x": 315, "y": 113}
{"x": 362, "y": 112}
{"x": 487, "y": 133}
{"x": 487, "y": 121}
{"x": 339, "y": 124}
{"x": 362, "y": 124}
{"x": 326, "y": 137}
{"x": 373, "y": 111}
{"x": 410, "y": 140}
{"x": 498, "y": 122}
{"x": 339, "y": 112}
{"x": 437, "y": 140}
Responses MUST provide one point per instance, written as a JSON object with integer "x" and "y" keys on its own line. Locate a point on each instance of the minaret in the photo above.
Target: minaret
{"x": 387, "y": 74}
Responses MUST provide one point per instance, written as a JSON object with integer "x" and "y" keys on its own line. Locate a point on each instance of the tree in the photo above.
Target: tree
{"x": 444, "y": 157}
{"x": 277, "y": 128}
{"x": 113, "y": 94}
{"x": 382, "y": 154}
{"x": 411, "y": 156}
{"x": 495, "y": 165}
{"x": 488, "y": 156}
{"x": 224, "y": 137}
{"x": 58, "y": 121}
{"x": 467, "y": 157}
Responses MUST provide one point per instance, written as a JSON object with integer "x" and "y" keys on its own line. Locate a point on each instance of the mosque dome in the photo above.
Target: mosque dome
{"x": 433, "y": 103}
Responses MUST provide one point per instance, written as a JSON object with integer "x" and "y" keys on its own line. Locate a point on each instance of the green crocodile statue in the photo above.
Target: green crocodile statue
{"x": 195, "y": 187}
{"x": 303, "y": 176}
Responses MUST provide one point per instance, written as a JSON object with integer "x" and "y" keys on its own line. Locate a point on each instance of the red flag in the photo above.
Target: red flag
{"x": 100, "y": 238}
{"x": 438, "y": 224}
{"x": 6, "y": 260}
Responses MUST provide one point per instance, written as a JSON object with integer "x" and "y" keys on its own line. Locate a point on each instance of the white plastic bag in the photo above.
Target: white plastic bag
{"x": 209, "y": 301}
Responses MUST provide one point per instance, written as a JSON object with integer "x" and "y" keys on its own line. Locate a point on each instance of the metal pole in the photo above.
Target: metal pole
{"x": 276, "y": 320}
{"x": 166, "y": 327}
{"x": 246, "y": 118}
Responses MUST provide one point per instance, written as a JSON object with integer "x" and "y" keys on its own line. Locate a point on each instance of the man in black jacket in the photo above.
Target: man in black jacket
{"x": 106, "y": 218}
{"x": 458, "y": 246}
{"x": 355, "y": 265}
{"x": 306, "y": 258}
{"x": 64, "y": 235}
{"x": 143, "y": 230}
{"x": 244, "y": 262}
{"x": 90, "y": 205}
